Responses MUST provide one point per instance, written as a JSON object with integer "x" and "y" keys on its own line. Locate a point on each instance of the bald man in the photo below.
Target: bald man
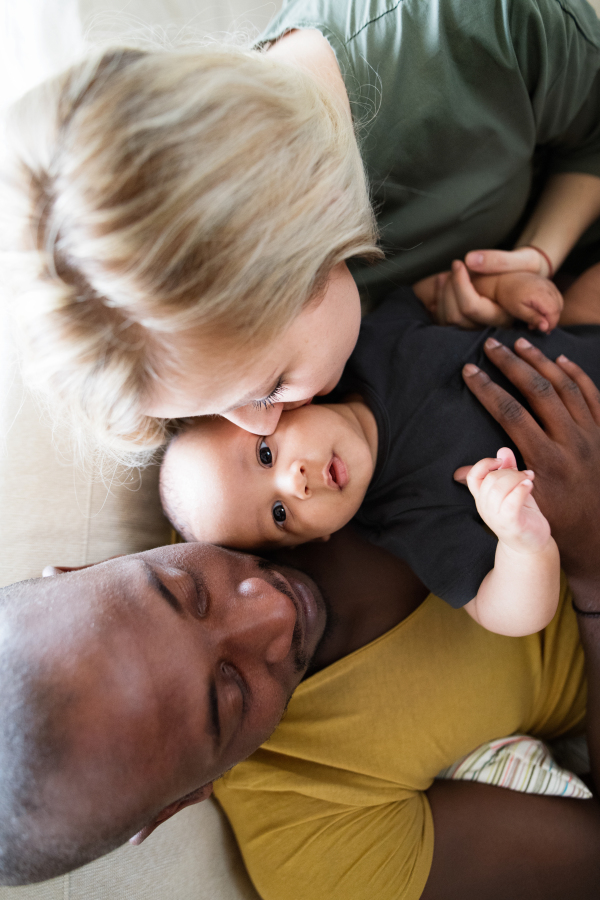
{"x": 128, "y": 688}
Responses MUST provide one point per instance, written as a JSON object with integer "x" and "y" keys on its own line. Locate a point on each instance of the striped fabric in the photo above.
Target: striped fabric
{"x": 519, "y": 763}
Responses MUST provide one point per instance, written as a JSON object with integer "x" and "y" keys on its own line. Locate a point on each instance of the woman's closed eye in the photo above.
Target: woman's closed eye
{"x": 272, "y": 398}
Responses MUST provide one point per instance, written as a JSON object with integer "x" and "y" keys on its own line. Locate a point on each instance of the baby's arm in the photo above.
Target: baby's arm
{"x": 520, "y": 594}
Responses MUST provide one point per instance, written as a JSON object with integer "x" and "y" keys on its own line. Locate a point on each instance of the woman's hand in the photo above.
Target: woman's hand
{"x": 497, "y": 262}
{"x": 460, "y": 297}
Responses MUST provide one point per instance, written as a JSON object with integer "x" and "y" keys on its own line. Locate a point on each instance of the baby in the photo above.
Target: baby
{"x": 383, "y": 450}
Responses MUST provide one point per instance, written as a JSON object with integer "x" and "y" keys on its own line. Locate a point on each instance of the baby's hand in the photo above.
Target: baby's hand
{"x": 504, "y": 502}
{"x": 453, "y": 299}
{"x": 531, "y": 298}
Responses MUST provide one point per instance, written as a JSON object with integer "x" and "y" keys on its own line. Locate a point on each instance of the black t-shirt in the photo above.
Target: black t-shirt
{"x": 429, "y": 423}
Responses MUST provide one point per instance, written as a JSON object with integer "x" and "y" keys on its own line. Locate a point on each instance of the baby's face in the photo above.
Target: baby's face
{"x": 304, "y": 481}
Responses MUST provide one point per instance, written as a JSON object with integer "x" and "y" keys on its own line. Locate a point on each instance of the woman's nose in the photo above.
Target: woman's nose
{"x": 257, "y": 421}
{"x": 266, "y": 619}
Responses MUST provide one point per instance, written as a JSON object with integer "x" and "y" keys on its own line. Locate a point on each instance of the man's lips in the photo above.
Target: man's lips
{"x": 302, "y": 598}
{"x": 337, "y": 473}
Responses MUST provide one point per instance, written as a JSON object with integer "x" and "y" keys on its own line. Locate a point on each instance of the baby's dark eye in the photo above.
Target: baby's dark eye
{"x": 279, "y": 513}
{"x": 264, "y": 454}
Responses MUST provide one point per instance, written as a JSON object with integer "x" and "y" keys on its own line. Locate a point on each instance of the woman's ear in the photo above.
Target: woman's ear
{"x": 202, "y": 793}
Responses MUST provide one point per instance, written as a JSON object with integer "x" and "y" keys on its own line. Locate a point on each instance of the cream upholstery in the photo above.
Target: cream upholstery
{"x": 55, "y": 512}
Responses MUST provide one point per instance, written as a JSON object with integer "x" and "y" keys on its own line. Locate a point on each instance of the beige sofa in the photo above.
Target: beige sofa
{"x": 53, "y": 511}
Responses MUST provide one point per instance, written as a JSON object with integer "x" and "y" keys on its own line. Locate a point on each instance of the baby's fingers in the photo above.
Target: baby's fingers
{"x": 507, "y": 457}
{"x": 477, "y": 473}
{"x": 516, "y": 498}
{"x": 461, "y": 474}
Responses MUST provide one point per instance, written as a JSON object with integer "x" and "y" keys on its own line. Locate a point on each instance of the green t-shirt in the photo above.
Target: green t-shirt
{"x": 451, "y": 99}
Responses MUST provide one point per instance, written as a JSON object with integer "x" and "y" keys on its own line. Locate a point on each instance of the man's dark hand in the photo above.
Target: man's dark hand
{"x": 562, "y": 446}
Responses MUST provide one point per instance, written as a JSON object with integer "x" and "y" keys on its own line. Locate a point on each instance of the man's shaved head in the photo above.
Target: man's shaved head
{"x": 130, "y": 686}
{"x": 46, "y": 788}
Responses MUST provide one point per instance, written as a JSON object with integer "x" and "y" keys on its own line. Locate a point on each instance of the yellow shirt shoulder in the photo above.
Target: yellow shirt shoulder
{"x": 334, "y": 804}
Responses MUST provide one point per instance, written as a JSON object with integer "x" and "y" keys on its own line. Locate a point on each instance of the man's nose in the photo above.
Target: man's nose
{"x": 265, "y": 621}
{"x": 257, "y": 421}
{"x": 293, "y": 480}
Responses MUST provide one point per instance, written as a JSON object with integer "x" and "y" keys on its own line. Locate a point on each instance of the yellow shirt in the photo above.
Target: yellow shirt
{"x": 333, "y": 805}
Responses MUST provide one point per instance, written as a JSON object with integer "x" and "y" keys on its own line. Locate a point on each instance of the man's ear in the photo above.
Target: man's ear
{"x": 59, "y": 570}
{"x": 202, "y": 793}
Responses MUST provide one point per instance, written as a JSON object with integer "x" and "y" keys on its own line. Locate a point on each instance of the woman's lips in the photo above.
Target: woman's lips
{"x": 337, "y": 474}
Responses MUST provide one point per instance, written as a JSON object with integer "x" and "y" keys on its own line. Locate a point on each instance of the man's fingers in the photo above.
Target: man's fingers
{"x": 535, "y": 387}
{"x": 520, "y": 426}
{"x": 588, "y": 389}
{"x": 566, "y": 387}
{"x": 495, "y": 262}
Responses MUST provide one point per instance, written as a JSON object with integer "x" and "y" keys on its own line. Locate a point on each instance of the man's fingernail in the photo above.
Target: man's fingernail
{"x": 523, "y": 343}
{"x": 492, "y": 343}
{"x": 562, "y": 358}
{"x": 470, "y": 369}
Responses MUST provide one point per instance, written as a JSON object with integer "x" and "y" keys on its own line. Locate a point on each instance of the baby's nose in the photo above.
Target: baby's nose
{"x": 297, "y": 480}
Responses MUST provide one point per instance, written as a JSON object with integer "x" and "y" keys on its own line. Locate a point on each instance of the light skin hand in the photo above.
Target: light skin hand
{"x": 499, "y": 262}
{"x": 520, "y": 594}
{"x": 504, "y": 502}
{"x": 453, "y": 299}
{"x": 569, "y": 203}
{"x": 460, "y": 297}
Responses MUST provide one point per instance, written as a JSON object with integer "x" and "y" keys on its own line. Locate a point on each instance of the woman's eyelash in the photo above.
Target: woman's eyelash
{"x": 270, "y": 400}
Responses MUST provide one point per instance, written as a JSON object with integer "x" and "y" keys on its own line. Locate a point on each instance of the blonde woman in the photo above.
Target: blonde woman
{"x": 188, "y": 217}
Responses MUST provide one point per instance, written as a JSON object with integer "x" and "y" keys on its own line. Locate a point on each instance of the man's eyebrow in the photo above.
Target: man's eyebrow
{"x": 155, "y": 582}
{"x": 213, "y": 703}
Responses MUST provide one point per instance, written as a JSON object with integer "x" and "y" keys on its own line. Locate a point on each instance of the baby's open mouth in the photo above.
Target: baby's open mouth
{"x": 338, "y": 473}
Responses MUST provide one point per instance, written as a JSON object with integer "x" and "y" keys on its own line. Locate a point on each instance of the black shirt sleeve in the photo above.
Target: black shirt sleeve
{"x": 449, "y": 549}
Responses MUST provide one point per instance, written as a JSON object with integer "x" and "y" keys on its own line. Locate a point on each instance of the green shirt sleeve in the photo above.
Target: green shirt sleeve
{"x": 450, "y": 102}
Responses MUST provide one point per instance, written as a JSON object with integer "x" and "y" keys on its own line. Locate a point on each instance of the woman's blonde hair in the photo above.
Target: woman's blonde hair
{"x": 162, "y": 191}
